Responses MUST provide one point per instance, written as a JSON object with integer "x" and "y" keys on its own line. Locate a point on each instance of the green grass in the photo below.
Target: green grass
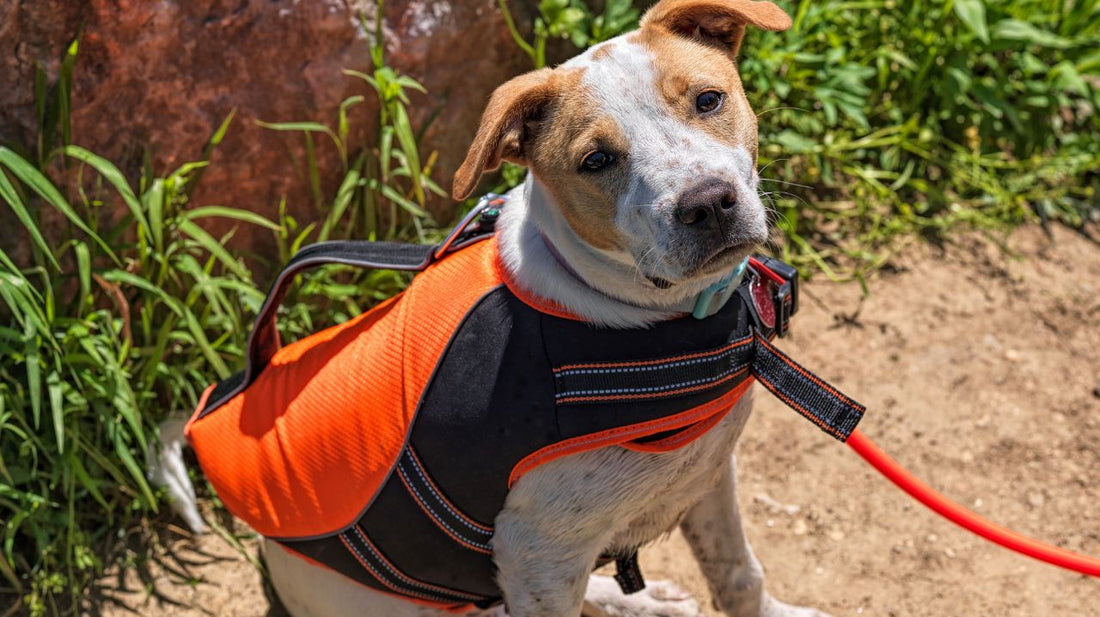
{"x": 880, "y": 121}
{"x": 913, "y": 118}
{"x": 139, "y": 307}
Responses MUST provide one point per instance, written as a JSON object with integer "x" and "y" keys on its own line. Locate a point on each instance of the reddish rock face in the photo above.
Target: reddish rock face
{"x": 164, "y": 74}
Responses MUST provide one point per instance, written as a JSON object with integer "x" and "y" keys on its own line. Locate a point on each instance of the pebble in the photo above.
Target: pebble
{"x": 932, "y": 537}
{"x": 836, "y": 535}
{"x": 991, "y": 342}
{"x": 774, "y": 506}
{"x": 800, "y": 528}
{"x": 1036, "y": 499}
{"x": 967, "y": 457}
{"x": 950, "y": 552}
{"x": 1012, "y": 355}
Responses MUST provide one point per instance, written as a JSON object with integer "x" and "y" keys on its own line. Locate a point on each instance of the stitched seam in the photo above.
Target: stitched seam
{"x": 642, "y": 364}
{"x": 653, "y": 365}
{"x": 687, "y": 435}
{"x": 381, "y": 579}
{"x": 432, "y": 514}
{"x": 418, "y": 468}
{"x": 798, "y": 407}
{"x": 663, "y": 388}
{"x": 808, "y": 375}
{"x": 625, "y": 397}
{"x": 404, "y": 578}
{"x": 533, "y": 461}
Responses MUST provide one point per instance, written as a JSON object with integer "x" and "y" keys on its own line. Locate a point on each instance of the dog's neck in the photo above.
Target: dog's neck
{"x": 545, "y": 257}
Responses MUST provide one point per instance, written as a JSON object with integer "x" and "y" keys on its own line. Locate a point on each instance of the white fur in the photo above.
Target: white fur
{"x": 561, "y": 516}
{"x": 666, "y": 157}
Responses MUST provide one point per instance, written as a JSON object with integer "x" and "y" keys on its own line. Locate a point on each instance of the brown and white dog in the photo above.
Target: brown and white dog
{"x": 642, "y": 156}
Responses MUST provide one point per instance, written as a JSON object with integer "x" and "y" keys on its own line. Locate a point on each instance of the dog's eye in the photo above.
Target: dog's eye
{"x": 708, "y": 101}
{"x": 596, "y": 161}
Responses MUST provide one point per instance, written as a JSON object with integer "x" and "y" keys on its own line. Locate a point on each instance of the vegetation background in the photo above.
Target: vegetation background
{"x": 881, "y": 122}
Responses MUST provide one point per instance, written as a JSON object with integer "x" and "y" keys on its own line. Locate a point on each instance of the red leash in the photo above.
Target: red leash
{"x": 965, "y": 518}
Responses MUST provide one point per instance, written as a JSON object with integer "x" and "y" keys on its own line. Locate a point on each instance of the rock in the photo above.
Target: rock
{"x": 163, "y": 75}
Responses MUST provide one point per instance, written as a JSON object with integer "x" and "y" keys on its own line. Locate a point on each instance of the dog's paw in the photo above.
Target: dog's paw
{"x": 771, "y": 607}
{"x": 658, "y": 599}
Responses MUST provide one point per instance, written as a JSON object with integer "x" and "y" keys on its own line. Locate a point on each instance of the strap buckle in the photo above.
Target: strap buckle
{"x": 776, "y": 283}
{"x": 479, "y": 221}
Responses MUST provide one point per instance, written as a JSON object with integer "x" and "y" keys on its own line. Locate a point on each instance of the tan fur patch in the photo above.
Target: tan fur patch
{"x": 570, "y": 129}
{"x": 685, "y": 68}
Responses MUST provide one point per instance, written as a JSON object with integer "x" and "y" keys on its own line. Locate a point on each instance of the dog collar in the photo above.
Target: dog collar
{"x": 713, "y": 298}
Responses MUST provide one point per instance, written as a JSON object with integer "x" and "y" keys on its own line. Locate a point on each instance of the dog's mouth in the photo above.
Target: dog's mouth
{"x": 724, "y": 258}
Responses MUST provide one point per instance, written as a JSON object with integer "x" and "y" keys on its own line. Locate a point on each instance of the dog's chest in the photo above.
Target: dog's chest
{"x": 627, "y": 498}
{"x": 681, "y": 478}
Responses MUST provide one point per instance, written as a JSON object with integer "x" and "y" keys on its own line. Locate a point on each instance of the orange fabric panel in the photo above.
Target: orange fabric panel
{"x": 702, "y": 414}
{"x": 680, "y": 439}
{"x": 303, "y": 449}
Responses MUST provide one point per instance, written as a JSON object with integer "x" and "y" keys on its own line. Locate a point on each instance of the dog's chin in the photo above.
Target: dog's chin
{"x": 724, "y": 259}
{"x": 720, "y": 261}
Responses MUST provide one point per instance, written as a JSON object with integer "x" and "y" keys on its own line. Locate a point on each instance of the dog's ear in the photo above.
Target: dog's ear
{"x": 504, "y": 126}
{"x": 720, "y": 21}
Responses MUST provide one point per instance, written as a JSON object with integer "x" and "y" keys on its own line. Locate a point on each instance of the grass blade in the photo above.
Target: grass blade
{"x": 8, "y": 193}
{"x": 53, "y": 386}
{"x": 231, "y": 213}
{"x": 47, "y": 191}
{"x": 215, "y": 248}
{"x": 113, "y": 176}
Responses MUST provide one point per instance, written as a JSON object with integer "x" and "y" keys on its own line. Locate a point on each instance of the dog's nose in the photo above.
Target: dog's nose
{"x": 707, "y": 205}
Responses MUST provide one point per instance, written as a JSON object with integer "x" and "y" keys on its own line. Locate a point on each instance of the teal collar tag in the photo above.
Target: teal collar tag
{"x": 713, "y": 298}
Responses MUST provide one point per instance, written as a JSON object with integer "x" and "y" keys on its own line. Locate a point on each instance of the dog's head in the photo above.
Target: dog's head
{"x": 646, "y": 143}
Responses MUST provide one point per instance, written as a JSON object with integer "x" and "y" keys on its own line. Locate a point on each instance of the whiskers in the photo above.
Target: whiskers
{"x": 769, "y": 197}
{"x": 641, "y": 262}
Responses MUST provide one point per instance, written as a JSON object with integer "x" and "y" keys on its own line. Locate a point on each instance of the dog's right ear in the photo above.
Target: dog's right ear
{"x": 502, "y": 131}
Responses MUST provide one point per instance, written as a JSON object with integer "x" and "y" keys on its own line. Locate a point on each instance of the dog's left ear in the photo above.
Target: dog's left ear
{"x": 719, "y": 21}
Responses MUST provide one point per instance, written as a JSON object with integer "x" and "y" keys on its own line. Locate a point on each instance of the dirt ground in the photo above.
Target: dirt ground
{"x": 980, "y": 370}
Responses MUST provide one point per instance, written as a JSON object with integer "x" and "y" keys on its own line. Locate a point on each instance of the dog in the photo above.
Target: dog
{"x": 641, "y": 194}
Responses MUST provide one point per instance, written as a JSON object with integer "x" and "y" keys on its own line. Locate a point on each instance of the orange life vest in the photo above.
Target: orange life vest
{"x": 384, "y": 447}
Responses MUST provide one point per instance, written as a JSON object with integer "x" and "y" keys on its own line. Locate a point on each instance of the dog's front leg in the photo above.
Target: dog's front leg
{"x": 713, "y": 529}
{"x": 542, "y": 567}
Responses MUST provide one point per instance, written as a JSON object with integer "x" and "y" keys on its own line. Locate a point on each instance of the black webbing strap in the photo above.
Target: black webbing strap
{"x": 477, "y": 225}
{"x": 264, "y": 340}
{"x": 801, "y": 390}
{"x": 628, "y": 575}
{"x": 830, "y": 409}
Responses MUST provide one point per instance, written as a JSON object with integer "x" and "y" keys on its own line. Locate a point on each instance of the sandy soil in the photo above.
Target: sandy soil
{"x": 980, "y": 370}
